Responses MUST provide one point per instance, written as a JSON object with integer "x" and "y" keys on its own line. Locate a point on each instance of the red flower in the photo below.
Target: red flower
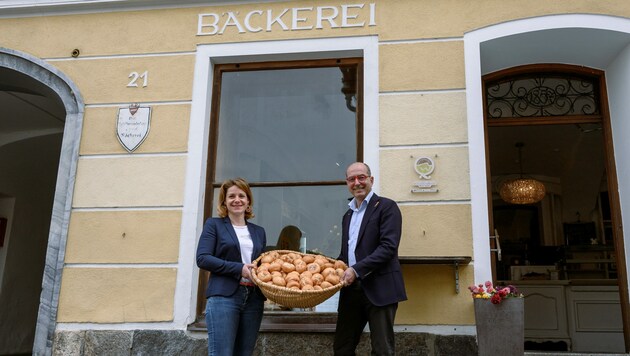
{"x": 496, "y": 299}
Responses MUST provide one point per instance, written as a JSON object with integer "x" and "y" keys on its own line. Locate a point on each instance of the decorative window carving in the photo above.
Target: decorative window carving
{"x": 542, "y": 95}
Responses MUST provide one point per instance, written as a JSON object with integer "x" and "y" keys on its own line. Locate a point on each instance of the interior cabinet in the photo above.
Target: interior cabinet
{"x": 546, "y": 313}
{"x": 588, "y": 255}
{"x": 584, "y": 316}
{"x": 595, "y": 319}
{"x": 590, "y": 262}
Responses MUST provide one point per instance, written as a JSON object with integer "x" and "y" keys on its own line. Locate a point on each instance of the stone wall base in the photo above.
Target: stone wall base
{"x": 178, "y": 342}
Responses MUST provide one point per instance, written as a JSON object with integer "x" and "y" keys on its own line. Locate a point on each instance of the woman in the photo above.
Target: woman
{"x": 227, "y": 247}
{"x": 289, "y": 238}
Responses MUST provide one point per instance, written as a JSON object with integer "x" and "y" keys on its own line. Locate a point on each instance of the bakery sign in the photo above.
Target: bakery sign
{"x": 287, "y": 19}
{"x": 424, "y": 166}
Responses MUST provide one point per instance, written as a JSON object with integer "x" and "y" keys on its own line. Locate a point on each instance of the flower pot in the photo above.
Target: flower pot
{"x": 500, "y": 327}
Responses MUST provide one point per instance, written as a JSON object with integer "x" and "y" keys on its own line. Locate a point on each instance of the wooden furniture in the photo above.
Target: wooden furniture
{"x": 595, "y": 318}
{"x": 585, "y": 314}
{"x": 590, "y": 261}
{"x": 546, "y": 312}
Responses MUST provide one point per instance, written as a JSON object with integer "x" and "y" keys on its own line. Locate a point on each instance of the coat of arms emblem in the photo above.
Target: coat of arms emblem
{"x": 132, "y": 126}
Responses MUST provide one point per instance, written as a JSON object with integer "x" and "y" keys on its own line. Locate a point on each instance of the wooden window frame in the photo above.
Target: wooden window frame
{"x": 277, "y": 321}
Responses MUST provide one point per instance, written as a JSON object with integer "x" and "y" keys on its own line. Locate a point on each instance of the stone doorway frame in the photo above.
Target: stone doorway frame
{"x": 72, "y": 101}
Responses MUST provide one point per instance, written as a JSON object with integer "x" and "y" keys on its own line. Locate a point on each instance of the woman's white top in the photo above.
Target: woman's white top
{"x": 245, "y": 240}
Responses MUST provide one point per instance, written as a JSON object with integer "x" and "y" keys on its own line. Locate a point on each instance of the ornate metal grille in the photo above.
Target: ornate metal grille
{"x": 542, "y": 95}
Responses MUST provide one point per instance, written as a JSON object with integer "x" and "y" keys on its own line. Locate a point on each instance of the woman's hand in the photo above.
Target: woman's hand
{"x": 247, "y": 271}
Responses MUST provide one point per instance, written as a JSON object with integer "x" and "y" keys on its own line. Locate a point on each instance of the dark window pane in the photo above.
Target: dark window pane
{"x": 286, "y": 125}
{"x": 316, "y": 211}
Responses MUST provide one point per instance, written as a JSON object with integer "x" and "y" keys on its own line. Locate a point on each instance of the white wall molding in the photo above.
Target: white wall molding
{"x": 207, "y": 56}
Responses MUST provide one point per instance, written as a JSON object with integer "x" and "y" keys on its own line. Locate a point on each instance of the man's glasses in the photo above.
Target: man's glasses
{"x": 361, "y": 178}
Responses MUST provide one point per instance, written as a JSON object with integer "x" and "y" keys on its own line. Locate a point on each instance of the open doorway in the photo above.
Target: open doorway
{"x": 547, "y": 123}
{"x": 31, "y": 135}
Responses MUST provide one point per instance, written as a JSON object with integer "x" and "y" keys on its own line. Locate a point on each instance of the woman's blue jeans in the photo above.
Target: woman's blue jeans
{"x": 233, "y": 322}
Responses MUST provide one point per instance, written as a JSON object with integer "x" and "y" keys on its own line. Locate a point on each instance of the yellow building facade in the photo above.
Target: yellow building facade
{"x": 113, "y": 247}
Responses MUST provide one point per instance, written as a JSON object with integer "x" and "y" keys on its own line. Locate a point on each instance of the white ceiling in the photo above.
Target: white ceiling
{"x": 580, "y": 46}
{"x": 29, "y": 108}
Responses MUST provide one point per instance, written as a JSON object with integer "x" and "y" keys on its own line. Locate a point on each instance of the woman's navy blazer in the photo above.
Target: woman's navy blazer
{"x": 219, "y": 252}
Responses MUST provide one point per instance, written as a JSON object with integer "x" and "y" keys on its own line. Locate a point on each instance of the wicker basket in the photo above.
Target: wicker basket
{"x": 292, "y": 298}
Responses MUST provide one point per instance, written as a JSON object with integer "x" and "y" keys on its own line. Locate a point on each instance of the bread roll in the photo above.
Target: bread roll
{"x": 274, "y": 266}
{"x": 288, "y": 267}
{"x": 325, "y": 285}
{"x": 292, "y": 276}
{"x": 321, "y": 261}
{"x": 300, "y": 265}
{"x": 264, "y": 275}
{"x": 287, "y": 258}
{"x": 306, "y": 281}
{"x": 279, "y": 281}
{"x": 313, "y": 267}
{"x": 332, "y": 278}
{"x": 340, "y": 264}
{"x": 328, "y": 271}
{"x": 317, "y": 279}
{"x": 291, "y": 284}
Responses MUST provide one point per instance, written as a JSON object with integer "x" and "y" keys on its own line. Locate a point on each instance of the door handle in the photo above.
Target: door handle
{"x": 498, "y": 243}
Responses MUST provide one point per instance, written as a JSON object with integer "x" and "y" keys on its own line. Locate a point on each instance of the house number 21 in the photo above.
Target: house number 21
{"x": 136, "y": 77}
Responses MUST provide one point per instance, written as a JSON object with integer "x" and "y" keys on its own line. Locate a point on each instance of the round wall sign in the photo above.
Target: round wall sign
{"x": 424, "y": 166}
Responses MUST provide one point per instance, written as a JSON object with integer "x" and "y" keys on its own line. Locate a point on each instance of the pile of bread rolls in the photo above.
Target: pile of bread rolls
{"x": 299, "y": 271}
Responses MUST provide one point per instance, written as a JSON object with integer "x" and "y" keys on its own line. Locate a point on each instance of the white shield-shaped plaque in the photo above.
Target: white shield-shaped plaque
{"x": 132, "y": 126}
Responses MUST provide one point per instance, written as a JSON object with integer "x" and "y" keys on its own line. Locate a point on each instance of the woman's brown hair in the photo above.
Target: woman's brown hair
{"x": 241, "y": 184}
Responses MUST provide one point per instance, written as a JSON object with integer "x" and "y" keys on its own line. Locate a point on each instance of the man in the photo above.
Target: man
{"x": 371, "y": 231}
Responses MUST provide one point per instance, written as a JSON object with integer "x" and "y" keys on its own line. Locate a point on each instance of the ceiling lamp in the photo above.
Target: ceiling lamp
{"x": 521, "y": 190}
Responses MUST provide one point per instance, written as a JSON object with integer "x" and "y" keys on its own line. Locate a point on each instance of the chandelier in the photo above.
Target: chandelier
{"x": 521, "y": 190}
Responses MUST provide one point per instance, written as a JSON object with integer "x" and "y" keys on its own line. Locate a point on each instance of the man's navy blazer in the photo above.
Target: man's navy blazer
{"x": 219, "y": 252}
{"x": 377, "y": 251}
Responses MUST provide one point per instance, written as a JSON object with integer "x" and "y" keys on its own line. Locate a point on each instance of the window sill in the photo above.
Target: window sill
{"x": 288, "y": 322}
{"x": 435, "y": 260}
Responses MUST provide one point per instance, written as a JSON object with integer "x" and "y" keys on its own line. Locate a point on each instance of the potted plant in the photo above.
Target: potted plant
{"x": 500, "y": 319}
